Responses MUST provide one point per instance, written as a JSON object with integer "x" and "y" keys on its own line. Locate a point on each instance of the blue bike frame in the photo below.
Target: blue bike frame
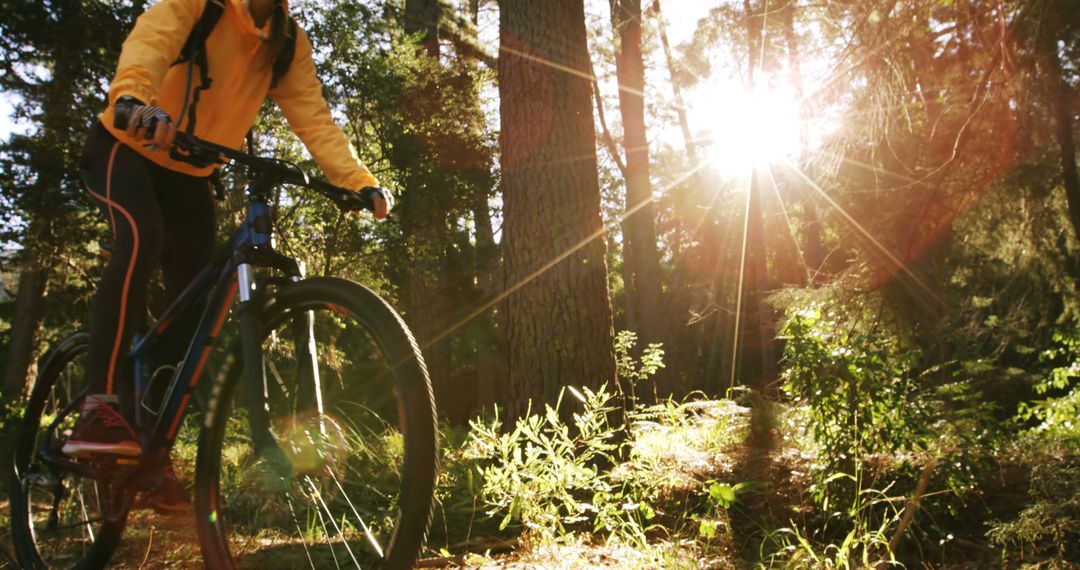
{"x": 250, "y": 247}
{"x": 218, "y": 284}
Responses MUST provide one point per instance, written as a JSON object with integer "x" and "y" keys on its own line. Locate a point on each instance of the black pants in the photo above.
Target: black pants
{"x": 156, "y": 216}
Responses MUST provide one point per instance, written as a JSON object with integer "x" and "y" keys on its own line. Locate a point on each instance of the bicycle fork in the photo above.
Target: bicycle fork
{"x": 254, "y": 380}
{"x": 308, "y": 383}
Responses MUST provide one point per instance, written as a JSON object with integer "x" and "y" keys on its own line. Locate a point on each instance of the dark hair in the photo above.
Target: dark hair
{"x": 282, "y": 28}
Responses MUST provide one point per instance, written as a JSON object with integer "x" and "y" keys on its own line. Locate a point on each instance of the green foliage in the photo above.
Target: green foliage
{"x": 11, "y": 412}
{"x": 857, "y": 549}
{"x": 1047, "y": 531}
{"x": 719, "y": 497}
{"x": 720, "y": 494}
{"x": 651, "y": 360}
{"x": 634, "y": 372}
{"x": 857, "y": 388}
{"x": 1058, "y": 418}
{"x": 852, "y": 534}
{"x": 871, "y": 423}
{"x": 550, "y": 478}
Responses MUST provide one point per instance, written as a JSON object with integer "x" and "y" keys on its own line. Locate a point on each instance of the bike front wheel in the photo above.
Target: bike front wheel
{"x": 349, "y": 478}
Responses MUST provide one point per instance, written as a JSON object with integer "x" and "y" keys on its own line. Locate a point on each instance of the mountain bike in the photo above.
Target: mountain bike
{"x": 316, "y": 443}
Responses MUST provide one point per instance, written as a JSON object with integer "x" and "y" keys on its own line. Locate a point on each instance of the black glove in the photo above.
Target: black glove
{"x": 369, "y": 192}
{"x": 130, "y": 111}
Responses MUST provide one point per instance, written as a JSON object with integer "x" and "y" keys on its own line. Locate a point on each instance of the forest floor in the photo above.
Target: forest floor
{"x": 721, "y": 442}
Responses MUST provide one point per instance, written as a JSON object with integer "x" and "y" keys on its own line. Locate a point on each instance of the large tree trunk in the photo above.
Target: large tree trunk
{"x": 424, "y": 225}
{"x": 558, "y": 313}
{"x": 1063, "y": 105}
{"x": 681, "y": 351}
{"x": 813, "y": 254}
{"x": 29, "y": 309}
{"x": 639, "y": 227}
{"x": 491, "y": 356}
{"x": 758, "y": 358}
{"x": 676, "y": 88}
{"x": 491, "y": 359}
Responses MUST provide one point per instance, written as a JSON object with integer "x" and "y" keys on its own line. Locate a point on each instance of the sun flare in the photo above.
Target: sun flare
{"x": 748, "y": 128}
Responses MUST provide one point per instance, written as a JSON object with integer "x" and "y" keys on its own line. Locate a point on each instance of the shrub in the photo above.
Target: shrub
{"x": 1047, "y": 529}
{"x": 856, "y": 389}
{"x": 1057, "y": 418}
{"x": 548, "y": 476}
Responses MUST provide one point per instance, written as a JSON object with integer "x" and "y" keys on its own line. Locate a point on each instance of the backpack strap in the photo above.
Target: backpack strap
{"x": 194, "y": 54}
{"x": 285, "y": 56}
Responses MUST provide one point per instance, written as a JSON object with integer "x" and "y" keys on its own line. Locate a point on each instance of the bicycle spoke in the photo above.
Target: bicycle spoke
{"x": 84, "y": 522}
{"x": 86, "y": 516}
{"x": 367, "y": 530}
{"x": 330, "y": 515}
{"x": 296, "y": 522}
{"x": 277, "y": 377}
{"x": 326, "y": 530}
{"x": 339, "y": 412}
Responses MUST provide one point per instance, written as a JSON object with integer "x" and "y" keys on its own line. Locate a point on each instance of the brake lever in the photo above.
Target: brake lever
{"x": 188, "y": 151}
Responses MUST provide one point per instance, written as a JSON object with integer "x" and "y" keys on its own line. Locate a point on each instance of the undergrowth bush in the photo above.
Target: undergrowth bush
{"x": 1057, "y": 417}
{"x": 857, "y": 392}
{"x": 872, "y": 428}
{"x": 551, "y": 477}
{"x": 555, "y": 477}
{"x": 1046, "y": 532}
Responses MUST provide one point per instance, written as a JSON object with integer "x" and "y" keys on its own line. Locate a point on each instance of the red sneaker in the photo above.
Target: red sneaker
{"x": 171, "y": 498}
{"x": 101, "y": 429}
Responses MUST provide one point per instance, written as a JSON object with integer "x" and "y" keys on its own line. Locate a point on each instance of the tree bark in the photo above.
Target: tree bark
{"x": 758, "y": 355}
{"x": 813, "y": 254}
{"x": 424, "y": 225}
{"x": 639, "y": 226}
{"x": 558, "y": 312}
{"x": 676, "y": 88}
{"x": 759, "y": 360}
{"x": 29, "y": 309}
{"x": 1062, "y": 102}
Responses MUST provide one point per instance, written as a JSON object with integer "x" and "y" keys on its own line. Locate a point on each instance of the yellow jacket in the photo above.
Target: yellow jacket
{"x": 241, "y": 72}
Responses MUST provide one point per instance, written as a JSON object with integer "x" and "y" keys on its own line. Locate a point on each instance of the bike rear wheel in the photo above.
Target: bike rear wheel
{"x": 353, "y": 483}
{"x": 57, "y": 517}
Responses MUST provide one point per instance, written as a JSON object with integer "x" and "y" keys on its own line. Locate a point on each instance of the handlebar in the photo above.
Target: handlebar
{"x": 189, "y": 148}
{"x": 193, "y": 150}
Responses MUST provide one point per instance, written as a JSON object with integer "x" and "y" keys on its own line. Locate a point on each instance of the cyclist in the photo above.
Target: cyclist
{"x": 161, "y": 210}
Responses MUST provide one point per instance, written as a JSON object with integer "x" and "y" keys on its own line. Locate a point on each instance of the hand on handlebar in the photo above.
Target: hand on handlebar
{"x": 153, "y": 124}
{"x": 381, "y": 200}
{"x": 144, "y": 122}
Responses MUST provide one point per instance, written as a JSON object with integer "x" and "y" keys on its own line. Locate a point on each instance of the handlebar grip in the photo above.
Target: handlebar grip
{"x": 121, "y": 116}
{"x": 123, "y": 110}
